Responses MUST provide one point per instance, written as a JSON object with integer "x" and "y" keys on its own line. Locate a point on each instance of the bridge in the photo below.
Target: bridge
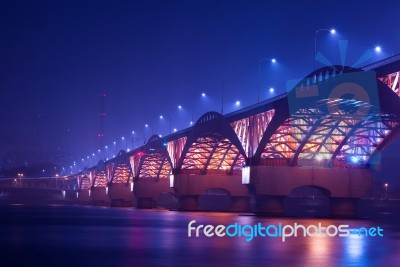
{"x": 313, "y": 146}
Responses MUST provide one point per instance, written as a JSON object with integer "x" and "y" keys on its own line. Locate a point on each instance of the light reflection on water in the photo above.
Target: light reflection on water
{"x": 92, "y": 236}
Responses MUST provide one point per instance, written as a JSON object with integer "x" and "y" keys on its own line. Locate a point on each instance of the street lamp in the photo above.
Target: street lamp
{"x": 331, "y": 31}
{"x": 378, "y": 49}
{"x": 122, "y": 143}
{"x": 273, "y": 60}
{"x": 20, "y": 175}
{"x": 386, "y": 189}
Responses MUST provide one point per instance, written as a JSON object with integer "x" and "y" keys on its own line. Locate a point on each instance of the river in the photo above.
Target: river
{"x": 57, "y": 235}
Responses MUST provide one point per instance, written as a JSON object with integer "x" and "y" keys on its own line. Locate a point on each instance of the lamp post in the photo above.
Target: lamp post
{"x": 332, "y": 31}
{"x": 273, "y": 60}
{"x": 122, "y": 143}
{"x": 106, "y": 150}
{"x": 20, "y": 175}
{"x": 386, "y": 190}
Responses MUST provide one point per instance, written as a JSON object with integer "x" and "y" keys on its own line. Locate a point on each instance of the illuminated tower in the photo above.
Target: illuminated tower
{"x": 102, "y": 115}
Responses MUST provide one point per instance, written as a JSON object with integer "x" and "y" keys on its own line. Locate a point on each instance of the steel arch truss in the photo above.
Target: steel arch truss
{"x": 367, "y": 138}
{"x": 154, "y": 161}
{"x": 250, "y": 130}
{"x": 212, "y": 148}
{"x": 100, "y": 180}
{"x": 122, "y": 172}
{"x": 175, "y": 149}
{"x": 287, "y": 138}
{"x": 329, "y": 129}
{"x": 85, "y": 183}
{"x": 392, "y": 81}
{"x": 155, "y": 165}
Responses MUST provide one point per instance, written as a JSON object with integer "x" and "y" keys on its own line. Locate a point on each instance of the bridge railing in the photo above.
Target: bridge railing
{"x": 210, "y": 172}
{"x": 39, "y": 183}
{"x": 274, "y": 162}
{"x": 382, "y": 62}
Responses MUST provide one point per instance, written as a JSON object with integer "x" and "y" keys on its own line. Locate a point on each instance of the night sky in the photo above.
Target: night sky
{"x": 151, "y": 56}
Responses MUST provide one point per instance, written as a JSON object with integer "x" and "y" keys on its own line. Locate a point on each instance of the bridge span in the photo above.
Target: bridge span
{"x": 314, "y": 146}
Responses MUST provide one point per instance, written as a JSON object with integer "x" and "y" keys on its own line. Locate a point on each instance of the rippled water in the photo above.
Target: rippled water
{"x": 96, "y": 236}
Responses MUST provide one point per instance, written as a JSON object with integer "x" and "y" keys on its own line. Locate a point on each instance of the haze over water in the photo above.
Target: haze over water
{"x": 99, "y": 236}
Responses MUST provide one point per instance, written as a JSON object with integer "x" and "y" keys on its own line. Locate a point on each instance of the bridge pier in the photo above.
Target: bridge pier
{"x": 120, "y": 195}
{"x": 190, "y": 187}
{"x": 343, "y": 207}
{"x": 269, "y": 205}
{"x": 84, "y": 197}
{"x": 240, "y": 204}
{"x": 147, "y": 191}
{"x": 99, "y": 196}
{"x": 145, "y": 203}
{"x": 188, "y": 203}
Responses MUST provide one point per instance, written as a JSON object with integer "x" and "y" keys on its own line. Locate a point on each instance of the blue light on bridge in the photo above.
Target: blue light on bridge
{"x": 354, "y": 159}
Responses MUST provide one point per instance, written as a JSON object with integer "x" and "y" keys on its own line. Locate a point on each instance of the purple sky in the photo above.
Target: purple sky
{"x": 150, "y": 56}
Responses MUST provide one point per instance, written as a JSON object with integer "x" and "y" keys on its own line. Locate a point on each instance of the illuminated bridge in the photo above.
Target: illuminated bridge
{"x": 318, "y": 142}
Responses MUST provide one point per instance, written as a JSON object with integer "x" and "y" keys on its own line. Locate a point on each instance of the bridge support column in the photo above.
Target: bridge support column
{"x": 188, "y": 203}
{"x": 343, "y": 207}
{"x": 269, "y": 205}
{"x": 84, "y": 197}
{"x": 240, "y": 204}
{"x": 120, "y": 195}
{"x": 145, "y": 203}
{"x": 99, "y": 197}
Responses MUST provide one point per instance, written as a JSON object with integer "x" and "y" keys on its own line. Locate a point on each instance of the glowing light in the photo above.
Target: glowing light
{"x": 106, "y": 147}
{"x": 122, "y": 138}
{"x": 146, "y": 125}
{"x": 237, "y": 103}
{"x": 319, "y": 157}
{"x": 115, "y": 142}
{"x": 191, "y": 122}
{"x": 161, "y": 117}
{"x": 180, "y": 107}
{"x": 98, "y": 150}
{"x": 203, "y": 94}
{"x": 273, "y": 60}
{"x": 378, "y": 49}
{"x": 271, "y": 90}
{"x": 333, "y": 31}
{"x": 354, "y": 159}
{"x": 93, "y": 154}
{"x": 175, "y": 130}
